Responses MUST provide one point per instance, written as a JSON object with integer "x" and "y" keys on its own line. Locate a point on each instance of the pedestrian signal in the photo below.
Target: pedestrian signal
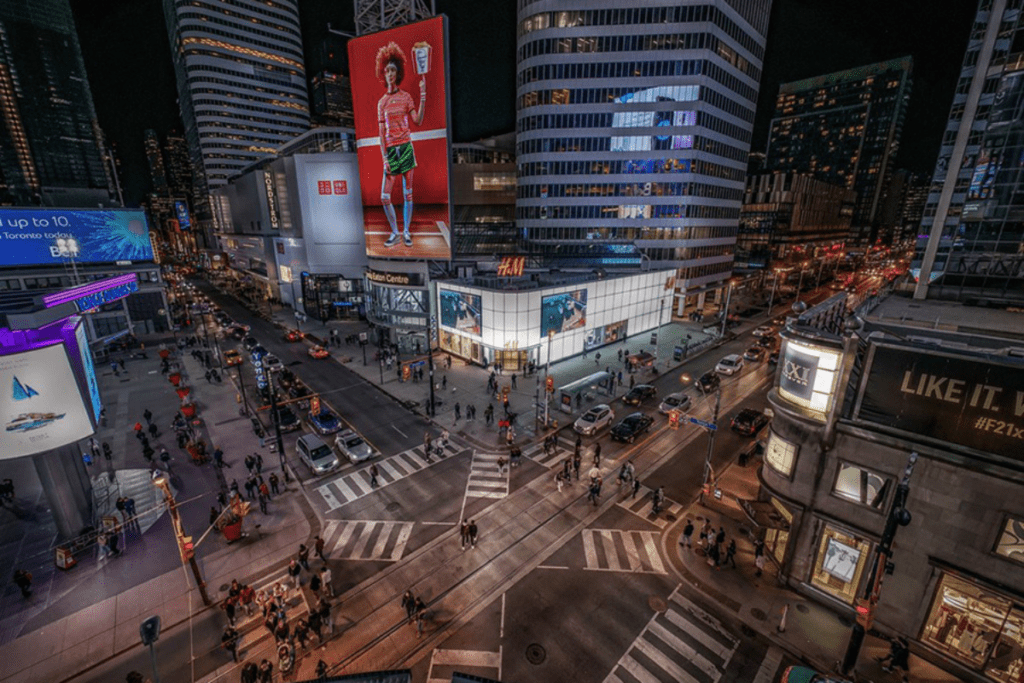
{"x": 188, "y": 548}
{"x": 550, "y": 384}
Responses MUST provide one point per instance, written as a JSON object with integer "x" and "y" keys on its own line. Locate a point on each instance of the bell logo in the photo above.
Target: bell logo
{"x": 798, "y": 374}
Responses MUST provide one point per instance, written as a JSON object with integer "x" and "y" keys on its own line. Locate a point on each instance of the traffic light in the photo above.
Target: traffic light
{"x": 549, "y": 384}
{"x": 188, "y": 549}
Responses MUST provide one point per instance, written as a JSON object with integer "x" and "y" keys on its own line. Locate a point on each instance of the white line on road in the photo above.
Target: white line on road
{"x": 501, "y": 630}
{"x": 399, "y": 431}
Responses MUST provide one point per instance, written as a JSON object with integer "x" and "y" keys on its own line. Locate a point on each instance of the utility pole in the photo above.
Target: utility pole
{"x": 771, "y": 299}
{"x": 275, "y": 418}
{"x": 241, "y": 389}
{"x": 725, "y": 311}
{"x": 711, "y": 444}
{"x": 547, "y": 392}
{"x": 898, "y": 516}
{"x": 430, "y": 364}
{"x": 185, "y": 545}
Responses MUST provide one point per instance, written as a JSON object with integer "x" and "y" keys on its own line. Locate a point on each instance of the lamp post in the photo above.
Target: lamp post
{"x": 800, "y": 284}
{"x": 725, "y": 312}
{"x": 771, "y": 299}
{"x": 241, "y": 389}
{"x": 547, "y": 374}
{"x": 185, "y": 545}
{"x": 821, "y": 266}
{"x": 276, "y": 419}
{"x": 657, "y": 333}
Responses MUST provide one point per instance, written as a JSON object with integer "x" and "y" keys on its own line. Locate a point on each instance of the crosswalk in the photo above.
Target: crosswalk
{"x": 476, "y": 663}
{"x": 683, "y": 644}
{"x": 366, "y": 540}
{"x": 484, "y": 479}
{"x": 613, "y": 550}
{"x": 643, "y": 506}
{"x": 563, "y": 449}
{"x": 352, "y": 486}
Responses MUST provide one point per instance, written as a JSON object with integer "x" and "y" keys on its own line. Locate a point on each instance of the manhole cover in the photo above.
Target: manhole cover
{"x": 758, "y": 614}
{"x": 657, "y": 604}
{"x": 536, "y": 654}
{"x": 671, "y": 518}
{"x": 224, "y": 587}
{"x": 747, "y": 631}
{"x": 391, "y": 507}
{"x": 802, "y": 608}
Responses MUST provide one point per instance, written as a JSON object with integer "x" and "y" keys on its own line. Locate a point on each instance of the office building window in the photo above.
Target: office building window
{"x": 780, "y": 455}
{"x": 861, "y": 486}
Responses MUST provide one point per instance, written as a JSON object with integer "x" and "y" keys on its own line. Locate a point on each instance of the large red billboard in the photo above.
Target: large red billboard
{"x": 400, "y": 101}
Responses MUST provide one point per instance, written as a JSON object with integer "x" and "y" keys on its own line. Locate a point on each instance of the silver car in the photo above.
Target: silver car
{"x": 352, "y": 446}
{"x": 317, "y": 455}
{"x": 729, "y": 365}
{"x": 677, "y": 401}
{"x": 595, "y": 419}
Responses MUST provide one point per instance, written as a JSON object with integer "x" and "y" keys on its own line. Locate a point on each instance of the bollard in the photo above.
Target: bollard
{"x": 782, "y": 621}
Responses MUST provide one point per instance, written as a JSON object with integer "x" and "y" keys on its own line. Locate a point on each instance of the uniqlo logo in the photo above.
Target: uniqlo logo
{"x": 340, "y": 187}
{"x": 323, "y": 186}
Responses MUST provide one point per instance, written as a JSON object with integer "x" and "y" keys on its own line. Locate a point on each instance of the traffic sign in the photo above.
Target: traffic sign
{"x": 706, "y": 425}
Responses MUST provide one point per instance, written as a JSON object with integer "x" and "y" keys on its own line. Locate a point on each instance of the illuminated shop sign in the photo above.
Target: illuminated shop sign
{"x": 402, "y": 279}
{"x": 808, "y": 376}
{"x": 511, "y": 266}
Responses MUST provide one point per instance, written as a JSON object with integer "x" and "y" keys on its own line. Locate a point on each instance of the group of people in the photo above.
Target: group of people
{"x": 467, "y": 534}
{"x": 713, "y": 542}
{"x": 415, "y": 610}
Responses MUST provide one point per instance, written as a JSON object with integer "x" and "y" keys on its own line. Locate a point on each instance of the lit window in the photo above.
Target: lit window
{"x": 1011, "y": 540}
{"x": 861, "y": 486}
{"x": 779, "y": 454}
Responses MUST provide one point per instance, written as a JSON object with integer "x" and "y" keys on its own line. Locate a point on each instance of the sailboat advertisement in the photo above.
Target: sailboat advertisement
{"x": 40, "y": 404}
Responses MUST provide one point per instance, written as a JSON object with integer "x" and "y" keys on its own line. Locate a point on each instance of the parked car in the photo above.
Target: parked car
{"x": 749, "y": 422}
{"x": 325, "y": 422}
{"x": 763, "y": 330}
{"x": 708, "y": 382}
{"x": 353, "y": 447}
{"x": 286, "y": 379}
{"x": 755, "y": 354}
{"x": 729, "y": 365}
{"x": 639, "y": 394}
{"x": 317, "y": 455}
{"x": 595, "y": 419}
{"x": 773, "y": 358}
{"x": 677, "y": 401}
{"x": 631, "y": 427}
{"x": 239, "y": 332}
{"x": 272, "y": 363}
{"x": 232, "y": 357}
{"x": 293, "y": 336}
{"x": 768, "y": 341}
{"x": 249, "y": 343}
{"x": 318, "y": 352}
{"x": 287, "y": 418}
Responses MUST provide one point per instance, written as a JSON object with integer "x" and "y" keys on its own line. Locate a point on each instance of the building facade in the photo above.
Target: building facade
{"x": 332, "y": 100}
{"x": 633, "y": 130}
{"x": 483, "y": 182}
{"x": 850, "y": 410}
{"x": 844, "y": 128}
{"x": 970, "y": 244}
{"x": 241, "y": 82}
{"x": 51, "y": 147}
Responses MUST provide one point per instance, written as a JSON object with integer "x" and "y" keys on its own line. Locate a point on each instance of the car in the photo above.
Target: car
{"x": 300, "y": 391}
{"x": 239, "y": 332}
{"x": 751, "y": 451}
{"x": 768, "y": 341}
{"x": 317, "y": 455}
{"x": 631, "y": 427}
{"x": 325, "y": 422}
{"x": 353, "y": 447}
{"x": 763, "y": 330}
{"x": 249, "y": 343}
{"x": 286, "y": 378}
{"x": 272, "y": 363}
{"x": 773, "y": 358}
{"x": 287, "y": 419}
{"x": 755, "y": 353}
{"x": 318, "y": 352}
{"x": 749, "y": 422}
{"x": 677, "y": 401}
{"x": 232, "y": 357}
{"x": 597, "y": 418}
{"x": 294, "y": 336}
{"x": 708, "y": 382}
{"x": 639, "y": 394}
{"x": 729, "y": 365}
{"x": 801, "y": 674}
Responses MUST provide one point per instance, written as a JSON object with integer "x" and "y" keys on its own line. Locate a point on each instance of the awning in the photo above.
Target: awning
{"x": 763, "y": 514}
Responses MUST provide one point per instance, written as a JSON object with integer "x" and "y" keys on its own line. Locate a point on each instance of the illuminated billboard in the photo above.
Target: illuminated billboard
{"x": 809, "y": 375}
{"x": 563, "y": 312}
{"x": 332, "y": 211}
{"x": 461, "y": 311}
{"x": 29, "y": 237}
{"x": 400, "y": 101}
{"x": 181, "y": 211}
{"x": 40, "y": 405}
{"x": 85, "y": 355}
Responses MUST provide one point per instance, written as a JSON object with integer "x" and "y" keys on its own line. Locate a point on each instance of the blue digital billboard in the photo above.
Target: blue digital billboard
{"x": 28, "y": 237}
{"x": 181, "y": 212}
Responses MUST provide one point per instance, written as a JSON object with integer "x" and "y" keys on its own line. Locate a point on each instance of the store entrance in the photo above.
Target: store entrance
{"x": 511, "y": 361}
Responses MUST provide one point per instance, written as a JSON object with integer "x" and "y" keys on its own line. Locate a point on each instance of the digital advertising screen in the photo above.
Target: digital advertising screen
{"x": 181, "y": 212}
{"x": 90, "y": 370}
{"x": 400, "y": 100}
{"x": 461, "y": 311}
{"x": 29, "y": 237}
{"x": 563, "y": 312}
{"x": 40, "y": 405}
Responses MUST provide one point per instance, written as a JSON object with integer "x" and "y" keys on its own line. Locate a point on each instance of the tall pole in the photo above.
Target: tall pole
{"x": 725, "y": 312}
{"x": 430, "y": 365}
{"x": 711, "y": 444}
{"x": 800, "y": 283}
{"x": 547, "y": 373}
{"x": 181, "y": 538}
{"x": 898, "y": 516}
{"x": 821, "y": 265}
{"x": 241, "y": 389}
{"x": 771, "y": 299}
{"x": 275, "y": 418}
{"x": 657, "y": 336}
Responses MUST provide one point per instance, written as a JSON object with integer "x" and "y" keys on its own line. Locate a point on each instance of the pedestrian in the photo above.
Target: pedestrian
{"x": 444, "y": 438}
{"x": 316, "y": 625}
{"x": 464, "y": 534}
{"x": 324, "y": 609}
{"x": 409, "y": 601}
{"x": 636, "y": 487}
{"x": 471, "y": 411}
{"x": 293, "y": 573}
{"x": 592, "y": 492}
{"x": 229, "y": 609}
{"x": 458, "y": 413}
{"x": 472, "y": 533}
{"x": 759, "y": 556}
{"x": 250, "y": 463}
{"x": 577, "y": 460}
{"x": 501, "y": 465}
{"x": 325, "y": 579}
{"x": 250, "y": 673}
{"x": 262, "y": 498}
{"x": 321, "y": 667}
{"x": 234, "y": 488}
{"x": 559, "y": 481}
{"x": 266, "y": 671}
{"x": 444, "y": 382}
{"x": 129, "y": 506}
{"x": 373, "y": 475}
{"x": 148, "y": 416}
{"x": 720, "y": 536}
{"x": 578, "y": 446}
{"x": 250, "y": 484}
{"x": 514, "y": 380}
{"x": 274, "y": 481}
{"x": 113, "y": 366}
{"x": 597, "y": 455}
{"x": 489, "y": 414}
{"x": 421, "y": 616}
{"x": 304, "y": 556}
{"x": 318, "y": 547}
{"x": 566, "y": 469}
{"x": 899, "y": 658}
{"x": 229, "y": 641}
{"x": 281, "y": 631}
{"x": 214, "y": 514}
{"x": 107, "y": 451}
{"x": 263, "y": 489}
{"x": 687, "y": 541}
{"x": 659, "y": 498}
{"x": 153, "y": 430}
{"x": 23, "y": 580}
{"x": 314, "y": 583}
{"x": 632, "y": 379}
{"x": 714, "y": 555}
{"x": 285, "y": 658}
{"x": 302, "y": 633}
{"x": 247, "y": 598}
{"x": 730, "y": 553}
{"x": 259, "y": 463}
{"x": 517, "y": 456}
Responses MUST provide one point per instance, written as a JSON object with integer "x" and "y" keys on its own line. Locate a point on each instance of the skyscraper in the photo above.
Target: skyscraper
{"x": 241, "y": 82}
{"x": 633, "y": 130}
{"x": 51, "y": 149}
{"x": 970, "y": 246}
{"x": 179, "y": 166}
{"x": 844, "y": 127}
{"x": 155, "y": 160}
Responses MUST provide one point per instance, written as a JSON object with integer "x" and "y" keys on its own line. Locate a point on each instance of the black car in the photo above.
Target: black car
{"x": 287, "y": 418}
{"x": 639, "y": 394}
{"x": 300, "y": 391}
{"x": 767, "y": 341}
{"x": 708, "y": 382}
{"x": 773, "y": 358}
{"x": 749, "y": 422}
{"x": 631, "y": 427}
{"x": 249, "y": 342}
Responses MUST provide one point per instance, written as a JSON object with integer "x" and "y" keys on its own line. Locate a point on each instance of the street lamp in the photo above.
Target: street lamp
{"x": 771, "y": 299}
{"x": 725, "y": 312}
{"x": 686, "y": 378}
{"x": 547, "y": 375}
{"x": 185, "y": 545}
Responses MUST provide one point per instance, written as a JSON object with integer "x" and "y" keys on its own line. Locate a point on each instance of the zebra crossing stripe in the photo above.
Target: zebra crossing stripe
{"x": 390, "y": 469}
{"x": 637, "y": 670}
{"x": 709, "y": 621}
{"x": 638, "y": 554}
{"x": 632, "y": 552}
{"x": 342, "y": 541}
{"x": 348, "y": 493}
{"x": 332, "y": 501}
{"x": 403, "y": 538}
{"x": 651, "y": 548}
{"x": 658, "y": 657}
{"x": 369, "y": 540}
{"x": 382, "y": 539}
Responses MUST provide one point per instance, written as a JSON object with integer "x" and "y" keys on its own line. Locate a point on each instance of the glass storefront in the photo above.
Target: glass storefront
{"x": 841, "y": 560}
{"x": 332, "y": 297}
{"x": 462, "y": 346}
{"x": 977, "y": 627}
{"x": 776, "y": 538}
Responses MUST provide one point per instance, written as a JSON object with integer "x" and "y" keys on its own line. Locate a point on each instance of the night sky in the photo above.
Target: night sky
{"x": 127, "y": 57}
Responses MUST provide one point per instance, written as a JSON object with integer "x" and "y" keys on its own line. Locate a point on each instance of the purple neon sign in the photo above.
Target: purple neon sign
{"x": 75, "y": 293}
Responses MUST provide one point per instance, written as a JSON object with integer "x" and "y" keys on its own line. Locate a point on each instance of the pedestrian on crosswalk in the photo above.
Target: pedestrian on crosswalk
{"x": 373, "y": 475}
{"x": 229, "y": 641}
{"x": 566, "y": 467}
{"x": 659, "y": 497}
{"x": 409, "y": 600}
{"x": 687, "y": 541}
{"x": 315, "y": 583}
{"x": 759, "y": 556}
{"x": 318, "y": 547}
{"x": 730, "y": 553}
{"x": 501, "y": 465}
{"x": 558, "y": 481}
{"x": 636, "y": 487}
{"x": 472, "y": 533}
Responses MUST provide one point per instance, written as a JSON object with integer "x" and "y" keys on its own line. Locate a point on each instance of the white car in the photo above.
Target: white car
{"x": 353, "y": 447}
{"x": 730, "y": 365}
{"x": 677, "y": 401}
{"x": 595, "y": 419}
{"x": 272, "y": 363}
{"x": 317, "y": 455}
{"x": 763, "y": 330}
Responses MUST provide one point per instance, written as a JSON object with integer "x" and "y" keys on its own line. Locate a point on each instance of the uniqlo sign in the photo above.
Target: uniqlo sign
{"x": 328, "y": 187}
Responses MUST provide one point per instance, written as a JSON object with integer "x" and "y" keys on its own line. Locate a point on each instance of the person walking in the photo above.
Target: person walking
{"x": 687, "y": 540}
{"x": 325, "y": 578}
{"x": 636, "y": 486}
{"x": 458, "y": 413}
{"x": 559, "y": 481}
{"x": 730, "y": 553}
{"x": 409, "y": 603}
{"x": 315, "y": 583}
{"x": 324, "y": 608}
{"x": 597, "y": 455}
{"x": 148, "y": 416}
{"x": 318, "y": 547}
{"x": 301, "y": 633}
{"x": 421, "y": 616}
{"x": 293, "y": 573}
{"x": 229, "y": 608}
{"x": 592, "y": 492}
{"x": 577, "y": 460}
{"x": 266, "y": 671}
{"x": 489, "y": 414}
{"x": 321, "y": 670}
{"x": 514, "y": 380}
{"x": 250, "y": 673}
{"x": 262, "y": 498}
{"x": 444, "y": 438}
{"x": 250, "y": 463}
{"x": 501, "y": 465}
{"x": 759, "y": 556}
{"x": 304, "y": 556}
{"x": 274, "y": 483}
{"x": 107, "y": 451}
{"x": 229, "y": 641}
{"x": 472, "y": 533}
{"x": 316, "y": 626}
{"x": 23, "y": 580}
{"x": 373, "y": 475}
{"x": 659, "y": 498}
{"x": 464, "y": 534}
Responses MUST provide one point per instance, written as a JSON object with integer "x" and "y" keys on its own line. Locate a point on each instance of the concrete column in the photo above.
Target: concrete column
{"x": 67, "y": 487}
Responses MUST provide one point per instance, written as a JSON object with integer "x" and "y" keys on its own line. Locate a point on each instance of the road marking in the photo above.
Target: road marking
{"x": 484, "y": 479}
{"x": 388, "y": 539}
{"x": 770, "y": 664}
{"x": 638, "y": 553}
{"x": 399, "y": 431}
{"x": 643, "y": 507}
{"x": 501, "y": 629}
{"x": 478, "y": 659}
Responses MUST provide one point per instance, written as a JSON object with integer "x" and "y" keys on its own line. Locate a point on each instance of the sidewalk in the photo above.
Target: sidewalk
{"x": 91, "y": 613}
{"x": 816, "y": 633}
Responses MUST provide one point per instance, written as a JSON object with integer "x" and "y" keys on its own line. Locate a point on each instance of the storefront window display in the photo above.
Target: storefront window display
{"x": 840, "y": 563}
{"x": 461, "y": 346}
{"x": 775, "y": 539}
{"x": 977, "y": 627}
